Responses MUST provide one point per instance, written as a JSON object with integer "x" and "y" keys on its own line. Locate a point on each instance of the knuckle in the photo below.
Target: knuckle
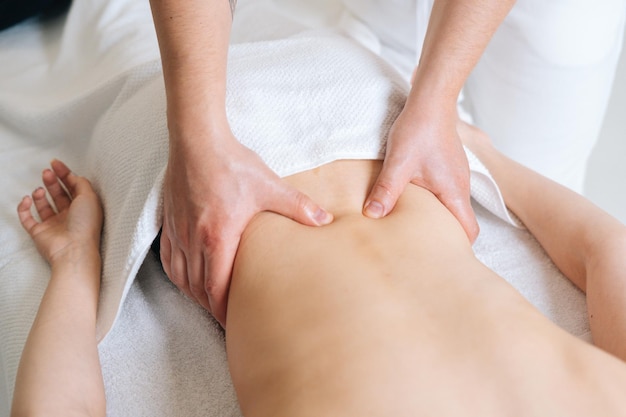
{"x": 215, "y": 291}
{"x": 210, "y": 238}
{"x": 211, "y": 288}
{"x": 300, "y": 203}
{"x": 385, "y": 187}
{"x": 178, "y": 236}
{"x": 176, "y": 277}
{"x": 196, "y": 288}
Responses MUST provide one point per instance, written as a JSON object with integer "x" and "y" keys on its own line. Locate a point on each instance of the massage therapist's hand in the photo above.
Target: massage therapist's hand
{"x": 212, "y": 190}
{"x": 423, "y": 145}
{"x": 423, "y": 148}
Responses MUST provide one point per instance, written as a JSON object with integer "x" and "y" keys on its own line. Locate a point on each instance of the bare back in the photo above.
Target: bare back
{"x": 394, "y": 317}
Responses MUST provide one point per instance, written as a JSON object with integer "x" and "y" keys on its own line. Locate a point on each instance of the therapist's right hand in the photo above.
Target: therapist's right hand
{"x": 213, "y": 187}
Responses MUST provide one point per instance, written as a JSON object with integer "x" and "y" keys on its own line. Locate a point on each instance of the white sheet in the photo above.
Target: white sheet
{"x": 165, "y": 356}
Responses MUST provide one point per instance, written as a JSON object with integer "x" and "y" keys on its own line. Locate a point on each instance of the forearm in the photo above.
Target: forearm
{"x": 458, "y": 33}
{"x": 59, "y": 372}
{"x": 570, "y": 228}
{"x": 193, "y": 38}
{"x": 585, "y": 243}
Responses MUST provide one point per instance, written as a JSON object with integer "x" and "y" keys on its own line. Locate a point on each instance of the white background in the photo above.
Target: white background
{"x": 606, "y": 176}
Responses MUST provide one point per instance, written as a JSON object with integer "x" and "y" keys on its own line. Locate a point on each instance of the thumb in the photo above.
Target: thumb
{"x": 385, "y": 192}
{"x": 300, "y": 207}
{"x": 461, "y": 208}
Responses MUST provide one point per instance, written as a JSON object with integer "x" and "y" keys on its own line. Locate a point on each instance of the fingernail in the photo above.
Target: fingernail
{"x": 322, "y": 217}
{"x": 374, "y": 210}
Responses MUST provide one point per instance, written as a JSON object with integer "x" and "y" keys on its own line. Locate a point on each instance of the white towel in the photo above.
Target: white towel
{"x": 298, "y": 103}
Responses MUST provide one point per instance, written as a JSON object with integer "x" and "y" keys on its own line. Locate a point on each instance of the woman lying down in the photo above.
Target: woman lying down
{"x": 384, "y": 317}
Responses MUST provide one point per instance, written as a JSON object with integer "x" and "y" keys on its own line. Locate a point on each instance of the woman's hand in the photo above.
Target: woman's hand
{"x": 423, "y": 146}
{"x": 70, "y": 230}
{"x": 213, "y": 184}
{"x": 212, "y": 191}
{"x": 424, "y": 149}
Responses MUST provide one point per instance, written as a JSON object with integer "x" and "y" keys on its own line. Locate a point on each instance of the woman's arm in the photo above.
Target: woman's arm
{"x": 213, "y": 185}
{"x": 193, "y": 39}
{"x": 585, "y": 243}
{"x": 59, "y": 372}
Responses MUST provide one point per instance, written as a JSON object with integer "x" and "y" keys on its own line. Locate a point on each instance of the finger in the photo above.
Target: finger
{"x": 290, "y": 202}
{"x": 390, "y": 183}
{"x": 57, "y": 192}
{"x": 42, "y": 204}
{"x": 197, "y": 279}
{"x": 178, "y": 271}
{"x": 74, "y": 184}
{"x": 218, "y": 273}
{"x": 165, "y": 251}
{"x": 461, "y": 208}
{"x": 26, "y": 217}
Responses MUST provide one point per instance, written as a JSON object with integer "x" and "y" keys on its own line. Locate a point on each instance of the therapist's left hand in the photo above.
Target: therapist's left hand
{"x": 423, "y": 148}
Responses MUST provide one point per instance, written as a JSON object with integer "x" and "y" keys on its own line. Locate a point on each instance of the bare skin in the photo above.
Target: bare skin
{"x": 397, "y": 316}
{"x": 386, "y": 317}
{"x": 214, "y": 186}
{"x": 584, "y": 242}
{"x": 61, "y": 376}
{"x": 424, "y": 147}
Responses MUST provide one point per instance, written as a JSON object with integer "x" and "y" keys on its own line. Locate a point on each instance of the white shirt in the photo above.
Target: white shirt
{"x": 399, "y": 29}
{"x": 399, "y": 25}
{"x": 393, "y": 21}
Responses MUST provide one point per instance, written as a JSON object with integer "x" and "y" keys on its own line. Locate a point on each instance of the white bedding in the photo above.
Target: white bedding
{"x": 164, "y": 356}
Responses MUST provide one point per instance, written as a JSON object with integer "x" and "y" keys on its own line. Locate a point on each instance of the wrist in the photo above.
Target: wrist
{"x": 193, "y": 129}
{"x": 435, "y": 88}
{"x": 425, "y": 107}
{"x": 195, "y": 97}
{"x": 196, "y": 110}
{"x": 79, "y": 257}
{"x": 76, "y": 278}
